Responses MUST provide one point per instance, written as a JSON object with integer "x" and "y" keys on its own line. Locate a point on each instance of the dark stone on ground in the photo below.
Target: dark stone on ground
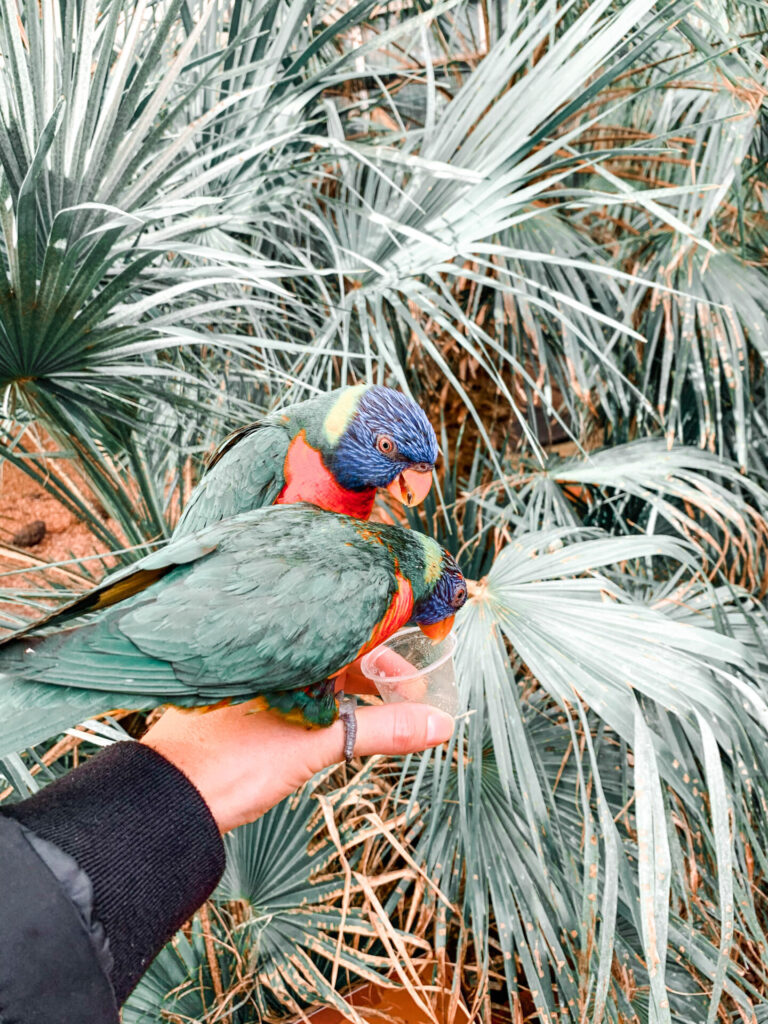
{"x": 29, "y": 535}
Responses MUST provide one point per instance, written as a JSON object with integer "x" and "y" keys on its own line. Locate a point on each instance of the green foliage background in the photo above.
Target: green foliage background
{"x": 547, "y": 221}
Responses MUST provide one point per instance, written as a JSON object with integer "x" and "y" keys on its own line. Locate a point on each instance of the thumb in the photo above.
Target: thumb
{"x": 389, "y": 729}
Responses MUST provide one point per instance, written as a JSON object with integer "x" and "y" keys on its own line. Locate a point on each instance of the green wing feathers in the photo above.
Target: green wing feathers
{"x": 245, "y": 473}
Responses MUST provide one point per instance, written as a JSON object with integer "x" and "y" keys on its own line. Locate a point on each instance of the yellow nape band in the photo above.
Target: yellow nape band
{"x": 433, "y": 562}
{"x": 342, "y": 411}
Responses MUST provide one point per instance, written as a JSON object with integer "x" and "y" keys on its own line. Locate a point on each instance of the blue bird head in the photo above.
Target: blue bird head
{"x": 388, "y": 442}
{"x": 434, "y": 613}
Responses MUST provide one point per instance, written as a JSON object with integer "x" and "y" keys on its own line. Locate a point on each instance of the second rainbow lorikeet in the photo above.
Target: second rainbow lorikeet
{"x": 333, "y": 451}
{"x": 272, "y": 603}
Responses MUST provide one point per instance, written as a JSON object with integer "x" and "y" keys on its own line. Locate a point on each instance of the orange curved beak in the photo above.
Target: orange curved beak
{"x": 411, "y": 486}
{"x": 438, "y": 631}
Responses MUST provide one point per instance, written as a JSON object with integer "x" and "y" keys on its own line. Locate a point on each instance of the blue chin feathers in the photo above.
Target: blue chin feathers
{"x": 357, "y": 461}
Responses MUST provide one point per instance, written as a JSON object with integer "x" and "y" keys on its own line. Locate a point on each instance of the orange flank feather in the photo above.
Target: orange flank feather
{"x": 372, "y": 536}
{"x": 307, "y": 479}
{"x": 256, "y": 704}
{"x": 398, "y": 613}
{"x": 202, "y": 709}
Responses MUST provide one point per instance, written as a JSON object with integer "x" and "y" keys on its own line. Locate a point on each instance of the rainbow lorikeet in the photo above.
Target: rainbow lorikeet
{"x": 272, "y": 603}
{"x": 333, "y": 451}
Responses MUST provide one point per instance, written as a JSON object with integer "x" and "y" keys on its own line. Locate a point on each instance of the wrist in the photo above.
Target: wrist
{"x": 212, "y": 775}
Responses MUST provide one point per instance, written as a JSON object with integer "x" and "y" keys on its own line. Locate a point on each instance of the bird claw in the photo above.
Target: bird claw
{"x": 347, "y": 705}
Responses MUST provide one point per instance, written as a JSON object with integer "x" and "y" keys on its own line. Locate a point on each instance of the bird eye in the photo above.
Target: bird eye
{"x": 459, "y": 597}
{"x": 386, "y": 445}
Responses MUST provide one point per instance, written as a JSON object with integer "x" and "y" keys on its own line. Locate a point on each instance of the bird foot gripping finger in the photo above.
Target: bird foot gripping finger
{"x": 347, "y": 705}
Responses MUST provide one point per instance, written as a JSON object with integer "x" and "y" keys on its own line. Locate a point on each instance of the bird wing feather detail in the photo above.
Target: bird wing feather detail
{"x": 283, "y": 601}
{"x": 122, "y": 584}
{"x": 245, "y": 473}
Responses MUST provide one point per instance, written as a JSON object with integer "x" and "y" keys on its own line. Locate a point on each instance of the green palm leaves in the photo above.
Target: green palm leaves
{"x": 134, "y": 167}
{"x": 289, "y": 913}
{"x": 528, "y": 215}
{"x": 560, "y": 821}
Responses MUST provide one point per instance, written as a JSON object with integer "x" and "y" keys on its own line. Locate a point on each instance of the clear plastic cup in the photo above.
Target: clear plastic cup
{"x": 411, "y": 667}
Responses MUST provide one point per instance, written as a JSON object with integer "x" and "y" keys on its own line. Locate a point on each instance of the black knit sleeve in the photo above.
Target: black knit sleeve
{"x": 146, "y": 840}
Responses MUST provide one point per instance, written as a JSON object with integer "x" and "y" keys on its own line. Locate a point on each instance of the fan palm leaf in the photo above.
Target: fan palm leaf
{"x": 208, "y": 209}
{"x": 556, "y": 882}
{"x": 281, "y": 921}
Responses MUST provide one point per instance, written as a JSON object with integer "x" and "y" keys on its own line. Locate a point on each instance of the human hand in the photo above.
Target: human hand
{"x": 243, "y": 761}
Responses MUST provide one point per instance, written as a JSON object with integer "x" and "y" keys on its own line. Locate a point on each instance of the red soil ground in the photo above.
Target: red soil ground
{"x": 22, "y": 501}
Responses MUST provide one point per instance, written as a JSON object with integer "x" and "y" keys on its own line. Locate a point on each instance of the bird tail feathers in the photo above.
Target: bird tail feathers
{"x": 32, "y": 712}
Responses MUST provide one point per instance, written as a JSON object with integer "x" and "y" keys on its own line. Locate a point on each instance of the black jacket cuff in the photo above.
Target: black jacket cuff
{"x": 146, "y": 839}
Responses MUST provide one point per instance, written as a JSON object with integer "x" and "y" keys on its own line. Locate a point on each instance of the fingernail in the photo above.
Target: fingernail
{"x": 439, "y": 727}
